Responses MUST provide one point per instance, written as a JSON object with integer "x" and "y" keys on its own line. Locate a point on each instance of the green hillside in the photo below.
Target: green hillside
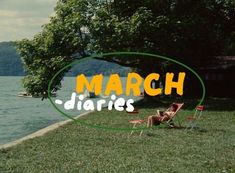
{"x": 10, "y": 64}
{"x": 92, "y": 67}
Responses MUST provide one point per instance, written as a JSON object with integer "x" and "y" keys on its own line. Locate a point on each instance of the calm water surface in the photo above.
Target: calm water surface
{"x": 22, "y": 116}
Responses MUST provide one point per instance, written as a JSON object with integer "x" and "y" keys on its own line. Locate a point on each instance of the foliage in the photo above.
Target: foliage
{"x": 55, "y": 47}
{"x": 188, "y": 30}
{"x": 191, "y": 31}
{"x": 10, "y": 64}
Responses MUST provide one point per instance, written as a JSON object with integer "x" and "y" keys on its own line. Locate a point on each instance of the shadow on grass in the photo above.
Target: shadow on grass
{"x": 211, "y": 104}
{"x": 152, "y": 133}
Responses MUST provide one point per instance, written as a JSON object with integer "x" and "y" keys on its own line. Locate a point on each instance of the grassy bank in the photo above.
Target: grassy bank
{"x": 73, "y": 148}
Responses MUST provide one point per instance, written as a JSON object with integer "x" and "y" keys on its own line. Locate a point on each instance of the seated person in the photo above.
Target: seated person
{"x": 161, "y": 116}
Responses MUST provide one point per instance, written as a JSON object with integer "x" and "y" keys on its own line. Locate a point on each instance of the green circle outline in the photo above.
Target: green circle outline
{"x": 119, "y": 53}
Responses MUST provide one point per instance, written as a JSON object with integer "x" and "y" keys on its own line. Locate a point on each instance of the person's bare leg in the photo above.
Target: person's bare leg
{"x": 150, "y": 121}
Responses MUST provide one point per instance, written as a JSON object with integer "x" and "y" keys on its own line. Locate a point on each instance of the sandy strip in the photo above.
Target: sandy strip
{"x": 40, "y": 132}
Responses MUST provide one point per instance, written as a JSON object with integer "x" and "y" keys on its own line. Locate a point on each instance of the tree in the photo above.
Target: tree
{"x": 60, "y": 43}
{"x": 190, "y": 30}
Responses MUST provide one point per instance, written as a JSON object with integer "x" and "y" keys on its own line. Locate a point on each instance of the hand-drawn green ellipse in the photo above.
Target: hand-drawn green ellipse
{"x": 78, "y": 121}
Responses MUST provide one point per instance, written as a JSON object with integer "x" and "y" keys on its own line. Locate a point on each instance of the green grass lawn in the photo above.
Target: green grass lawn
{"x": 80, "y": 149}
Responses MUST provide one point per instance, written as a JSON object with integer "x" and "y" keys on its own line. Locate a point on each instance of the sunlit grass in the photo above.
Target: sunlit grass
{"x": 74, "y": 148}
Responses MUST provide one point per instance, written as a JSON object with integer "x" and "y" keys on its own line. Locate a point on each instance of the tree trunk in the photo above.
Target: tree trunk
{"x": 144, "y": 72}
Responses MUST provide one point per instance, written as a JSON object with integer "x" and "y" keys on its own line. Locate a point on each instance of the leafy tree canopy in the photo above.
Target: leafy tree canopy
{"x": 190, "y": 30}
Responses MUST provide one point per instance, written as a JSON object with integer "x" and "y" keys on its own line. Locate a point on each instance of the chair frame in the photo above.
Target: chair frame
{"x": 197, "y": 115}
{"x": 135, "y": 122}
{"x": 180, "y": 105}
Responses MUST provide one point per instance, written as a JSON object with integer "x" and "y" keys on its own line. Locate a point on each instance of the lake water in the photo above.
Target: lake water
{"x": 22, "y": 116}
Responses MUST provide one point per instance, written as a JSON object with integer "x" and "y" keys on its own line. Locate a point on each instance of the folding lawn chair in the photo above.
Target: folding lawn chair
{"x": 192, "y": 120}
{"x": 136, "y": 122}
{"x": 168, "y": 122}
{"x": 173, "y": 116}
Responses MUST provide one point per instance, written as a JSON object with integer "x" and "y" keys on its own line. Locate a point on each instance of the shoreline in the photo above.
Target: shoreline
{"x": 41, "y": 132}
